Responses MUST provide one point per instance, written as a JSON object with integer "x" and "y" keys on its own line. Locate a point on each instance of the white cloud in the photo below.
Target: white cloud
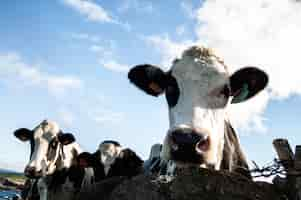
{"x": 168, "y": 49}
{"x": 95, "y": 12}
{"x": 248, "y": 116}
{"x": 59, "y": 84}
{"x": 188, "y": 9}
{"x": 13, "y": 68}
{"x": 264, "y": 33}
{"x": 114, "y": 66}
{"x": 137, "y": 5}
{"x": 107, "y": 57}
{"x": 91, "y": 10}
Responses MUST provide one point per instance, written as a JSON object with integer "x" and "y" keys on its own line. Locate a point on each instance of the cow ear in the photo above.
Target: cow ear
{"x": 149, "y": 78}
{"x": 23, "y": 134}
{"x": 66, "y": 138}
{"x": 129, "y": 155}
{"x": 246, "y": 83}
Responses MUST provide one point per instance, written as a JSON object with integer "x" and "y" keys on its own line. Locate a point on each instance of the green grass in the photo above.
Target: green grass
{"x": 14, "y": 177}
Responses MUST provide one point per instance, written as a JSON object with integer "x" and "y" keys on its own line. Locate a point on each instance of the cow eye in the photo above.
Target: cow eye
{"x": 225, "y": 91}
{"x": 220, "y": 92}
{"x": 172, "y": 92}
{"x": 53, "y": 144}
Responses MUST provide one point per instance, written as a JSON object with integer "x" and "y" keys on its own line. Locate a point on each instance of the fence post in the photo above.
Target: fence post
{"x": 297, "y": 166}
{"x": 287, "y": 159}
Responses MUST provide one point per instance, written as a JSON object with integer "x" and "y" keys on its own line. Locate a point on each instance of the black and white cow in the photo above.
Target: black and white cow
{"x": 198, "y": 89}
{"x": 112, "y": 160}
{"x": 53, "y": 162}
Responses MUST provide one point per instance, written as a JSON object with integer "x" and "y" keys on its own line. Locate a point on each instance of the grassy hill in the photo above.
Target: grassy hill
{"x": 20, "y": 178}
{"x": 12, "y": 175}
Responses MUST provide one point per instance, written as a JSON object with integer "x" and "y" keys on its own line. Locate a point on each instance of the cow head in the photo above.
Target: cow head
{"x": 198, "y": 88}
{"x": 46, "y": 142}
{"x": 108, "y": 151}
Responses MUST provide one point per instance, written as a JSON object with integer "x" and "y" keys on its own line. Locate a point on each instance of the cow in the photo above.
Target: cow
{"x": 53, "y": 162}
{"x": 112, "y": 160}
{"x": 198, "y": 89}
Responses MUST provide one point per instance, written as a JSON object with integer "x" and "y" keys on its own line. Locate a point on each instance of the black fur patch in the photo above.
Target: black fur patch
{"x": 32, "y": 146}
{"x": 172, "y": 91}
{"x": 52, "y": 149}
{"x": 66, "y": 138}
{"x": 93, "y": 160}
{"x": 111, "y": 142}
{"x": 127, "y": 164}
{"x": 187, "y": 154}
{"x": 74, "y": 173}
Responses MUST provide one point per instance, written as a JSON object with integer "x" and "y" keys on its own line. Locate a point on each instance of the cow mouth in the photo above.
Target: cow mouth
{"x": 33, "y": 175}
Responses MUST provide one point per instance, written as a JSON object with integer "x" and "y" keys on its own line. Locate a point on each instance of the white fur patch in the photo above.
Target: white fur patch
{"x": 108, "y": 154}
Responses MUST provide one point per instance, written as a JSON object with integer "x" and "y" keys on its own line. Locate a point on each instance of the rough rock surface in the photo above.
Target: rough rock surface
{"x": 189, "y": 184}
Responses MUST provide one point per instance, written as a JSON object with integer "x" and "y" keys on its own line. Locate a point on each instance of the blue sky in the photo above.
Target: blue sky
{"x": 67, "y": 60}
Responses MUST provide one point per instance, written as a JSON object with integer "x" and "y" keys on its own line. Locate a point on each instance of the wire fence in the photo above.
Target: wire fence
{"x": 270, "y": 169}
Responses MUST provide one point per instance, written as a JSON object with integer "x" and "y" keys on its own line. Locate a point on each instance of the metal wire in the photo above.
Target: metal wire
{"x": 273, "y": 168}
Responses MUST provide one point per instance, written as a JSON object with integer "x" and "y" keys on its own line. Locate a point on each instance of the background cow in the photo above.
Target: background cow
{"x": 112, "y": 160}
{"x": 53, "y": 161}
{"x": 198, "y": 89}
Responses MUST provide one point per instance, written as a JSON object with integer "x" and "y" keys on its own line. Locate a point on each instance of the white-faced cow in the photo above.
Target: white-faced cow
{"x": 198, "y": 89}
{"x": 112, "y": 160}
{"x": 53, "y": 162}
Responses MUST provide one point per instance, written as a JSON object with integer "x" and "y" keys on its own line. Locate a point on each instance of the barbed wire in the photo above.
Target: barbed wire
{"x": 273, "y": 168}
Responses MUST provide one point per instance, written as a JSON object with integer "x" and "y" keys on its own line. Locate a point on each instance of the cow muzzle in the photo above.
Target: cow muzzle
{"x": 31, "y": 172}
{"x": 188, "y": 145}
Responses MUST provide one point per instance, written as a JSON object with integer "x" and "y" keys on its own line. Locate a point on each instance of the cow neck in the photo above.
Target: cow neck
{"x": 233, "y": 157}
{"x": 61, "y": 172}
{"x": 62, "y": 156}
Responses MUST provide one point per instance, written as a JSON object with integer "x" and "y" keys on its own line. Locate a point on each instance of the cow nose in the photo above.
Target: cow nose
{"x": 30, "y": 171}
{"x": 184, "y": 139}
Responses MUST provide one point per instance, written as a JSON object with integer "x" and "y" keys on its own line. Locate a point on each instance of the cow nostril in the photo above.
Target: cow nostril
{"x": 188, "y": 145}
{"x": 203, "y": 145}
{"x": 185, "y": 137}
